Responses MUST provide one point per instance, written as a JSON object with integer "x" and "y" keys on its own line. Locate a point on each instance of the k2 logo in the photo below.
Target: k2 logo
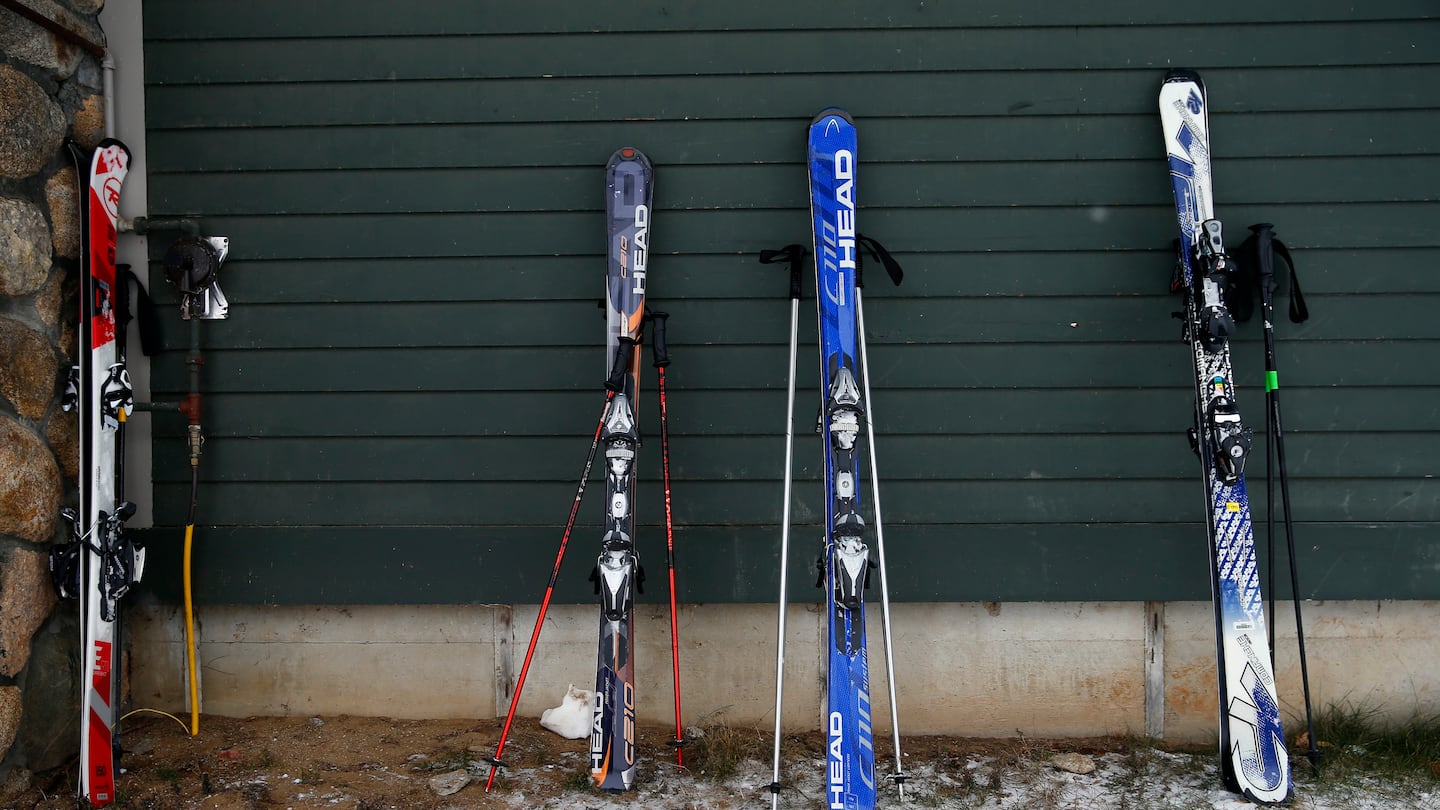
{"x": 1194, "y": 103}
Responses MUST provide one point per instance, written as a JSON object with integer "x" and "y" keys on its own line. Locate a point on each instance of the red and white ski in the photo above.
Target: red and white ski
{"x": 101, "y": 565}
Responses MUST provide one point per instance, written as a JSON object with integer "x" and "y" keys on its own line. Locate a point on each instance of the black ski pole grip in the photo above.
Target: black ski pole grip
{"x": 620, "y": 369}
{"x": 1265, "y": 258}
{"x": 795, "y": 254}
{"x": 658, "y": 350}
{"x": 1267, "y": 248}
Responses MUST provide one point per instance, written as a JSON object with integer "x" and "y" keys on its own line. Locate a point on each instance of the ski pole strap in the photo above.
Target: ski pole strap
{"x": 1177, "y": 275}
{"x": 1258, "y": 254}
{"x": 1298, "y": 311}
{"x": 658, "y": 350}
{"x": 619, "y": 369}
{"x": 795, "y": 254}
{"x": 144, "y": 314}
{"x": 877, "y": 250}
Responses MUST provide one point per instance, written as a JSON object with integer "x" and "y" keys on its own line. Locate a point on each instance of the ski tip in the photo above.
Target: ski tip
{"x": 1182, "y": 75}
{"x": 109, "y": 142}
{"x": 629, "y": 154}
{"x": 831, "y": 112}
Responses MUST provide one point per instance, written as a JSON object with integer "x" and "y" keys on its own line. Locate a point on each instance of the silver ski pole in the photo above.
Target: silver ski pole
{"x": 796, "y": 256}
{"x": 899, "y": 775}
{"x": 895, "y": 274}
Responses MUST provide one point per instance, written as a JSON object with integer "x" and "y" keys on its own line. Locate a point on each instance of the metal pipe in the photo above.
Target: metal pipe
{"x": 107, "y": 85}
{"x": 145, "y": 225}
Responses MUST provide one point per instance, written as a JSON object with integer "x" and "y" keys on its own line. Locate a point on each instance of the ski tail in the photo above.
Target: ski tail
{"x": 617, "y": 574}
{"x": 1252, "y": 744}
{"x": 845, "y": 558}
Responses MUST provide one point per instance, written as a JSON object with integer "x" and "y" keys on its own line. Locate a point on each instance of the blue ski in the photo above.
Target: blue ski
{"x": 845, "y": 559}
{"x": 1252, "y": 744}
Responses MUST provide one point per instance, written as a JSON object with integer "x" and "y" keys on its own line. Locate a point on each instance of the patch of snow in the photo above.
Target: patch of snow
{"x": 572, "y": 718}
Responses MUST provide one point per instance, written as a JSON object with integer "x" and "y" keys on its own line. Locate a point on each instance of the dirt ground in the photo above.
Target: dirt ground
{"x": 366, "y": 763}
{"x": 359, "y": 763}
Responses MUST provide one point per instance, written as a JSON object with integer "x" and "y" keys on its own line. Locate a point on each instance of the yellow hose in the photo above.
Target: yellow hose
{"x": 190, "y": 638}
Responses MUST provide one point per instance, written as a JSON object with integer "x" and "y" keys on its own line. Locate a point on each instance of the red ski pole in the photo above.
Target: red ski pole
{"x": 495, "y": 762}
{"x": 662, "y": 359}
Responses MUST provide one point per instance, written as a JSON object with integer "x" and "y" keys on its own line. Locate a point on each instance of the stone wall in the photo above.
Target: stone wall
{"x": 50, "y": 90}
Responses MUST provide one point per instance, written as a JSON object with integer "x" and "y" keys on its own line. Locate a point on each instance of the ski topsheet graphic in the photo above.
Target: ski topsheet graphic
{"x": 100, "y": 564}
{"x": 1252, "y": 745}
{"x": 612, "y": 736}
{"x": 845, "y": 558}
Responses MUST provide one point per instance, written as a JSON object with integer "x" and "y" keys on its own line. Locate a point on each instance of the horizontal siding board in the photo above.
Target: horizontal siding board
{"x": 501, "y": 460}
{"x": 714, "y": 413}
{"x": 180, "y": 19}
{"x": 928, "y": 274}
{"x": 649, "y": 98}
{"x": 924, "y": 185}
{"x": 917, "y": 366}
{"x": 1064, "y": 322}
{"x": 900, "y": 50}
{"x": 455, "y": 456}
{"x": 1260, "y": 133}
{"x": 993, "y": 562}
{"x": 746, "y": 232}
{"x": 410, "y": 503}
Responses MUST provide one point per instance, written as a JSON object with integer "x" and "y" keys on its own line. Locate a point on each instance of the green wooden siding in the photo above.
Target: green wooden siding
{"x": 403, "y": 395}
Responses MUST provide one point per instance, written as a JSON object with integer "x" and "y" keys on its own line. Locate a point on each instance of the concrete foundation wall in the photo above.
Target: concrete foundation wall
{"x": 978, "y": 669}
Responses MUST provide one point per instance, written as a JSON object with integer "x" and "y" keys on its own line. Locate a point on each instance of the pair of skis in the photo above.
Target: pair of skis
{"x": 1254, "y": 759}
{"x": 617, "y": 574}
{"x": 1252, "y": 745}
{"x": 845, "y": 561}
{"x": 100, "y": 563}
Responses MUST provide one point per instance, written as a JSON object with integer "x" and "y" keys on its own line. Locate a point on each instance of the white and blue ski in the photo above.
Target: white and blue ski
{"x": 845, "y": 558}
{"x": 1252, "y": 745}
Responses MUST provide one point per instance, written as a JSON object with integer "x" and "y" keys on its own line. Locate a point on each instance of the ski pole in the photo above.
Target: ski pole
{"x": 122, "y": 323}
{"x": 795, "y": 254}
{"x": 896, "y": 274}
{"x": 1265, "y": 248}
{"x": 661, "y": 354}
{"x": 495, "y": 762}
